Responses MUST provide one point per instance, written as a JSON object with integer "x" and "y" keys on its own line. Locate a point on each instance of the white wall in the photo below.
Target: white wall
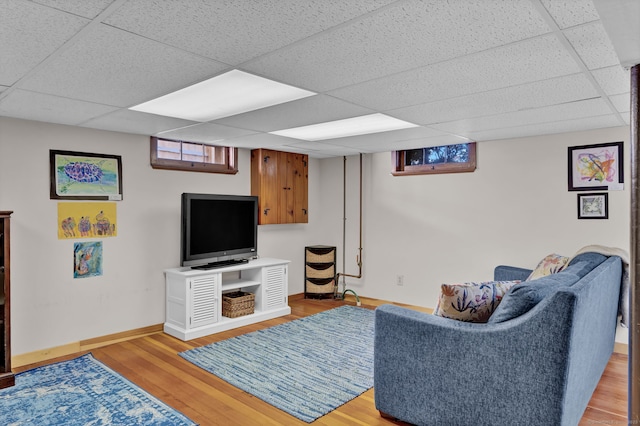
{"x": 433, "y": 229}
{"x": 49, "y": 307}
{"x": 514, "y": 209}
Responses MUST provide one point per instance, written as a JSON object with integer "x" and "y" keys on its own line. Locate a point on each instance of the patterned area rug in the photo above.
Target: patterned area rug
{"x": 82, "y": 391}
{"x": 307, "y": 367}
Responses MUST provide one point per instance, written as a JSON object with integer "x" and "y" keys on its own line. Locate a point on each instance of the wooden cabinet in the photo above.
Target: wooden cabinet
{"x": 280, "y": 180}
{"x": 319, "y": 272}
{"x": 194, "y": 296}
{"x": 6, "y": 376}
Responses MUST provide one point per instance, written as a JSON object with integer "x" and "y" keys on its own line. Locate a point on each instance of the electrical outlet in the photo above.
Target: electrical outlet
{"x": 400, "y": 280}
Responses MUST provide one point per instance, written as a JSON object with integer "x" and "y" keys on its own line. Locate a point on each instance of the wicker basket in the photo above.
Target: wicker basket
{"x": 321, "y": 288}
{"x": 321, "y": 257}
{"x": 320, "y": 271}
{"x": 237, "y": 304}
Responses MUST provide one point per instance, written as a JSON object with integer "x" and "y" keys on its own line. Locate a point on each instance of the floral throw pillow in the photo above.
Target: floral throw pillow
{"x": 551, "y": 264}
{"x": 472, "y": 301}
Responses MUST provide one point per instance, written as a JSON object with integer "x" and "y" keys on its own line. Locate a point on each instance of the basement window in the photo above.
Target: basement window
{"x": 458, "y": 158}
{"x": 193, "y": 156}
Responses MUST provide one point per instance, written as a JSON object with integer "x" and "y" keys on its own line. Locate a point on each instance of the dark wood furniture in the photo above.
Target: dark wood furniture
{"x": 319, "y": 272}
{"x": 6, "y": 376}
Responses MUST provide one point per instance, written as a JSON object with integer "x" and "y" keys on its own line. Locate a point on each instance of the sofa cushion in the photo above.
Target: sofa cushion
{"x": 472, "y": 301}
{"x": 522, "y": 298}
{"x": 589, "y": 260}
{"x": 550, "y": 264}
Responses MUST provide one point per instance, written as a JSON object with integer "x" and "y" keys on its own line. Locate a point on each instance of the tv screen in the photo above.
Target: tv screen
{"x": 218, "y": 228}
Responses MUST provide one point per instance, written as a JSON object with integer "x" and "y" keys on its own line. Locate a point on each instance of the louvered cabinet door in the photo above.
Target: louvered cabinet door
{"x": 275, "y": 286}
{"x": 204, "y": 303}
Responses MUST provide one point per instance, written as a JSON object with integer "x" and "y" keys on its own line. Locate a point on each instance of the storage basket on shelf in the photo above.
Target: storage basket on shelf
{"x": 238, "y": 303}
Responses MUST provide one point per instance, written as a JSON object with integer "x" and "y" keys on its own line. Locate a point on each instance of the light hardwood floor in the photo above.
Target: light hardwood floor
{"x": 152, "y": 363}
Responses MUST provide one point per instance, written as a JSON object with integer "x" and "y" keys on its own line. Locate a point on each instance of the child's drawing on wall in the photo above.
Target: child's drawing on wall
{"x": 86, "y": 220}
{"x": 87, "y": 259}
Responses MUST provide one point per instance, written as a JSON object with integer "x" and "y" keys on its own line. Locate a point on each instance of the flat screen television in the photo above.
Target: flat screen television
{"x": 218, "y": 230}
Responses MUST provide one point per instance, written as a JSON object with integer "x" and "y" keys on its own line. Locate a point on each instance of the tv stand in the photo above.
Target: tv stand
{"x": 220, "y": 264}
{"x": 194, "y": 296}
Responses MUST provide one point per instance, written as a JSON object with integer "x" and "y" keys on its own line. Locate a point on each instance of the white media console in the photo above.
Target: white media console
{"x": 194, "y": 297}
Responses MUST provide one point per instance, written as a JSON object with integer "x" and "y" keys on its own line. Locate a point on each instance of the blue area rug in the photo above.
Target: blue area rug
{"x": 307, "y": 367}
{"x": 82, "y": 391}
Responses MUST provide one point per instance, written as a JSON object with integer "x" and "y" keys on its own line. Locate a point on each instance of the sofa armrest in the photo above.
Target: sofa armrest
{"x": 433, "y": 370}
{"x": 510, "y": 273}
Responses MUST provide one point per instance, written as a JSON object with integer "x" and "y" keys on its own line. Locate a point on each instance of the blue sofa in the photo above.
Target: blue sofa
{"x": 536, "y": 361}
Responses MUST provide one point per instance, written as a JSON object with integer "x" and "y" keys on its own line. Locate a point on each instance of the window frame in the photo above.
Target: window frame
{"x": 230, "y": 165}
{"x": 399, "y": 168}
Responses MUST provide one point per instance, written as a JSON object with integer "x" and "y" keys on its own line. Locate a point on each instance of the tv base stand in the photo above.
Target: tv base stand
{"x": 220, "y": 264}
{"x": 194, "y": 296}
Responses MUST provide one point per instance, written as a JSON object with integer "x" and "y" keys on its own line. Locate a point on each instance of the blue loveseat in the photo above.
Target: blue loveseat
{"x": 536, "y": 362}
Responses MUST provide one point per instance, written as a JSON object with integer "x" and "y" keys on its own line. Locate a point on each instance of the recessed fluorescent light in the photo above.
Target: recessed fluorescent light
{"x": 372, "y": 123}
{"x": 228, "y": 94}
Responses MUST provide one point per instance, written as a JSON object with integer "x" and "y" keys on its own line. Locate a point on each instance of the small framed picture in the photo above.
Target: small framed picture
{"x": 593, "y": 205}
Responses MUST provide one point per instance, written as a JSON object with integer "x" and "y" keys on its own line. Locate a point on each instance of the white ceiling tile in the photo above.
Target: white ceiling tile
{"x": 547, "y": 128}
{"x": 310, "y": 110}
{"x": 568, "y": 13}
{"x": 593, "y": 45}
{"x": 205, "y": 132}
{"x": 86, "y": 8}
{"x": 613, "y": 80}
{"x": 463, "y": 66}
{"x": 386, "y": 137}
{"x": 568, "y": 111}
{"x": 23, "y": 45}
{"x": 117, "y": 68}
{"x": 410, "y": 35}
{"x": 235, "y": 31}
{"x": 259, "y": 140}
{"x": 622, "y": 102}
{"x": 48, "y": 108}
{"x": 532, "y": 60}
{"x": 320, "y": 147}
{"x": 531, "y": 95}
{"x": 395, "y": 145}
{"x": 620, "y": 20}
{"x": 124, "y": 120}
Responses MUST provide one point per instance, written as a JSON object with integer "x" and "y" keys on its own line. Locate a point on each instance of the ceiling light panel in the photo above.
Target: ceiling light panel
{"x": 372, "y": 123}
{"x": 228, "y": 94}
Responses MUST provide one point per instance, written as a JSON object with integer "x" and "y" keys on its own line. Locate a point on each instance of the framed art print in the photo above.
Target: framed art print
{"x": 596, "y": 167}
{"x": 85, "y": 176}
{"x": 593, "y": 206}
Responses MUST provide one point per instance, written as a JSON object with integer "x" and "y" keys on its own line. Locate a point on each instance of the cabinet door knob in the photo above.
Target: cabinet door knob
{"x": 266, "y": 211}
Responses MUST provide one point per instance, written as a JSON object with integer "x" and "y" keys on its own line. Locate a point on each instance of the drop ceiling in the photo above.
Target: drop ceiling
{"x": 462, "y": 70}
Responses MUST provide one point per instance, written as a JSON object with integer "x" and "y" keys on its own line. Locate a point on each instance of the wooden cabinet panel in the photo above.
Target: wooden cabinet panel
{"x": 300, "y": 177}
{"x": 265, "y": 184}
{"x": 280, "y": 180}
